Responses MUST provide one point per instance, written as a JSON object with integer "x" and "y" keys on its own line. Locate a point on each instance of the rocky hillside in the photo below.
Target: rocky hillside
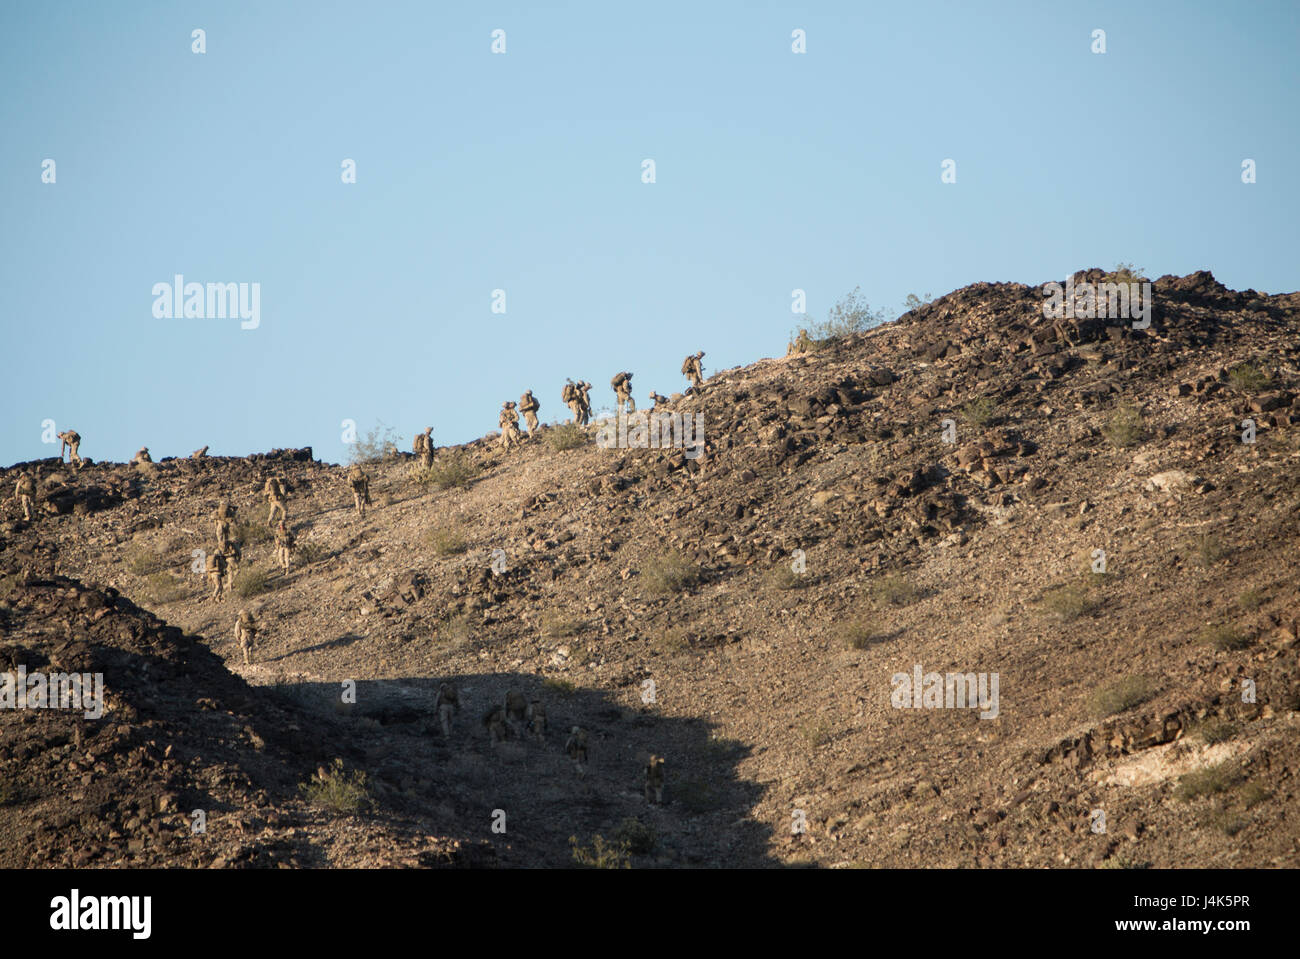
{"x": 972, "y": 488}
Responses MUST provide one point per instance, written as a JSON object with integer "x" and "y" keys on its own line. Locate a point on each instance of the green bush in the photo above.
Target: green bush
{"x": 636, "y": 836}
{"x": 142, "y": 561}
{"x": 250, "y": 581}
{"x": 601, "y": 854}
{"x": 1207, "y": 782}
{"x": 335, "y": 790}
{"x": 1125, "y": 427}
{"x": 565, "y": 436}
{"x": 1224, "y": 638}
{"x": 378, "y": 443}
{"x": 1068, "y": 601}
{"x": 1208, "y": 549}
{"x": 162, "y": 587}
{"x": 1248, "y": 378}
{"x": 447, "y": 540}
{"x": 856, "y": 633}
{"x": 852, "y": 314}
{"x": 246, "y": 534}
{"x": 670, "y": 573}
{"x": 558, "y": 686}
{"x": 896, "y": 590}
{"x": 980, "y": 411}
{"x": 450, "y": 469}
{"x": 1125, "y": 694}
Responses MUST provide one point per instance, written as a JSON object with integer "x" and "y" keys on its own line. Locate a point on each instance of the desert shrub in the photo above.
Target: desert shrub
{"x": 558, "y": 686}
{"x": 670, "y": 573}
{"x": 1225, "y": 820}
{"x": 162, "y": 588}
{"x": 1207, "y": 549}
{"x": 856, "y": 633}
{"x": 783, "y": 576}
{"x": 852, "y": 314}
{"x": 565, "y": 436}
{"x": 697, "y": 796}
{"x": 601, "y": 854}
{"x": 1068, "y": 601}
{"x": 896, "y": 590}
{"x": 675, "y": 640}
{"x": 1215, "y": 731}
{"x": 455, "y": 632}
{"x": 379, "y": 442}
{"x": 1224, "y": 638}
{"x": 1251, "y": 600}
{"x": 308, "y": 552}
{"x": 816, "y": 732}
{"x": 979, "y": 412}
{"x": 636, "y": 836}
{"x": 142, "y": 561}
{"x": 1125, "y": 427}
{"x": 914, "y": 302}
{"x": 1252, "y": 794}
{"x": 558, "y": 626}
{"x": 1207, "y": 782}
{"x": 452, "y": 468}
{"x": 1124, "y": 694}
{"x": 250, "y": 581}
{"x": 335, "y": 790}
{"x": 1125, "y": 273}
{"x": 447, "y": 540}
{"x": 246, "y": 534}
{"x": 1248, "y": 378}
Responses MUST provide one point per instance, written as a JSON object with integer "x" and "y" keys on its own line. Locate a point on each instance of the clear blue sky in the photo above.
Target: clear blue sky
{"x": 522, "y": 172}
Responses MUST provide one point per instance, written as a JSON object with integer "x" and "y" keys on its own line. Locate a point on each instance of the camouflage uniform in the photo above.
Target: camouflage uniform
{"x": 802, "y": 344}
{"x": 25, "y": 493}
{"x": 284, "y": 543}
{"x": 231, "y": 554}
{"x": 622, "y": 384}
{"x": 423, "y": 447}
{"x": 360, "y": 484}
{"x": 693, "y": 371}
{"x": 276, "y": 495}
{"x": 508, "y": 420}
{"x": 71, "y": 440}
{"x": 216, "y": 570}
{"x": 245, "y": 634}
{"x": 571, "y": 398}
{"x": 529, "y": 406}
{"x": 584, "y": 403}
{"x": 658, "y": 400}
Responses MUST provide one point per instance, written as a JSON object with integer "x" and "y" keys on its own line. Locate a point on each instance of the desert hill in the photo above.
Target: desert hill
{"x": 625, "y": 571}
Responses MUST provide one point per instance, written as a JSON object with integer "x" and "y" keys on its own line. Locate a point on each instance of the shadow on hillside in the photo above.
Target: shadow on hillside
{"x": 455, "y": 787}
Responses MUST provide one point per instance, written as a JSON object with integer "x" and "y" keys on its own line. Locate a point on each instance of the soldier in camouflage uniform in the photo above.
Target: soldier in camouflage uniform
{"x": 423, "y": 447}
{"x": 584, "y": 403}
{"x": 529, "y": 406}
{"x": 25, "y": 494}
{"x": 71, "y": 440}
{"x": 693, "y": 371}
{"x": 141, "y": 456}
{"x": 284, "y": 543}
{"x": 360, "y": 483}
{"x": 232, "y": 555}
{"x": 802, "y": 344}
{"x": 277, "y": 495}
{"x": 216, "y": 570}
{"x": 508, "y": 420}
{"x": 245, "y": 634}
{"x": 658, "y": 401}
{"x": 622, "y": 384}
